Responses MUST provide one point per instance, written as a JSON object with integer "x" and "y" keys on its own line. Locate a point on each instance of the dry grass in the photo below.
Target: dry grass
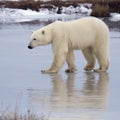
{"x": 8, "y": 115}
{"x": 100, "y": 10}
{"x": 34, "y": 5}
{"x": 114, "y": 6}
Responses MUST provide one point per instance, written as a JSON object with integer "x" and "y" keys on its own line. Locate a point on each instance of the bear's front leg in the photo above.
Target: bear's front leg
{"x": 53, "y": 69}
{"x": 49, "y": 71}
{"x": 70, "y": 62}
{"x": 59, "y": 59}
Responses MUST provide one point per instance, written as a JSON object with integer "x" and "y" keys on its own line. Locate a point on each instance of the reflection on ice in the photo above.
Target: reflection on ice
{"x": 65, "y": 97}
{"x": 96, "y": 91}
{"x": 92, "y": 95}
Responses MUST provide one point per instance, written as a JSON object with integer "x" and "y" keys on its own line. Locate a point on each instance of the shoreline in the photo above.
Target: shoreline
{"x": 36, "y": 5}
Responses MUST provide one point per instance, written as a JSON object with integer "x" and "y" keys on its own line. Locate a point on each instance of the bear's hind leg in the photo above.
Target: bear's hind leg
{"x": 89, "y": 56}
{"x": 103, "y": 61}
{"x": 70, "y": 62}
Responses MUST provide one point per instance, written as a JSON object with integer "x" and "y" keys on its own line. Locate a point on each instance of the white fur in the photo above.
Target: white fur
{"x": 91, "y": 35}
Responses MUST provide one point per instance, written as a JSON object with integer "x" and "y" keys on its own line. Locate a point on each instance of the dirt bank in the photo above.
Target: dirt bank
{"x": 107, "y": 7}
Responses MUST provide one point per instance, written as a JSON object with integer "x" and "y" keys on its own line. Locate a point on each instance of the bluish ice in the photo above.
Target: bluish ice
{"x": 79, "y": 95}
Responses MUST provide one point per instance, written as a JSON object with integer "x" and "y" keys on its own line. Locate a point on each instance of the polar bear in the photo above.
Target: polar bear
{"x": 89, "y": 34}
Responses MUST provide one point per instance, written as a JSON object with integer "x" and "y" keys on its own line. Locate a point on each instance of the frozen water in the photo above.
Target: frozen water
{"x": 82, "y": 95}
{"x": 86, "y": 96}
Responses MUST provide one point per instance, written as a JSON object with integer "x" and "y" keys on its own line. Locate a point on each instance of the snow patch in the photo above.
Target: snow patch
{"x": 79, "y": 9}
{"x": 115, "y": 17}
{"x": 8, "y": 15}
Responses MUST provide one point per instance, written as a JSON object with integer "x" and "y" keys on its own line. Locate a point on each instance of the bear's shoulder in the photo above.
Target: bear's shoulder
{"x": 58, "y": 26}
{"x": 58, "y": 23}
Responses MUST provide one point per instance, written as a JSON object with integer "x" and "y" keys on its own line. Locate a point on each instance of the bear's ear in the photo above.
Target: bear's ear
{"x": 43, "y": 32}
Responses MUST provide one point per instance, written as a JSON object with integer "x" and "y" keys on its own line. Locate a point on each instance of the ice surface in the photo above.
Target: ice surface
{"x": 92, "y": 96}
{"x": 82, "y": 95}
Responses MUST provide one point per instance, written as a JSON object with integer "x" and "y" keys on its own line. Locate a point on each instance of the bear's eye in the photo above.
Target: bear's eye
{"x": 34, "y": 39}
{"x": 43, "y": 32}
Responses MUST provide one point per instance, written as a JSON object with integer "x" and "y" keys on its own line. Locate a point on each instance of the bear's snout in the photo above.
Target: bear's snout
{"x": 30, "y": 47}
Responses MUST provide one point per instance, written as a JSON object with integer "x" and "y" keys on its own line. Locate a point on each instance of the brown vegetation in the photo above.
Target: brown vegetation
{"x": 100, "y": 7}
{"x": 34, "y": 5}
{"x": 114, "y": 6}
{"x": 103, "y": 8}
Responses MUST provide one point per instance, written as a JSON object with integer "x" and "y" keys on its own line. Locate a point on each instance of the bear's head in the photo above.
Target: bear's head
{"x": 40, "y": 37}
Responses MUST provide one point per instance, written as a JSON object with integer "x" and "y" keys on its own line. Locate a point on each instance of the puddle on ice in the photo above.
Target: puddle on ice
{"x": 86, "y": 96}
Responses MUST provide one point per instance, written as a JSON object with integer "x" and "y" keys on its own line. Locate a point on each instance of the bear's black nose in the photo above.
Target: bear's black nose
{"x": 30, "y": 47}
